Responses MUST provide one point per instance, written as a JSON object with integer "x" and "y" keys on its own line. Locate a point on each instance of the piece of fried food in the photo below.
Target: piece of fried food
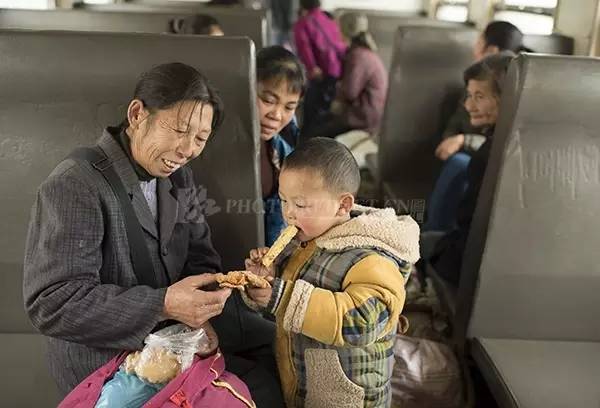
{"x": 279, "y": 245}
{"x": 257, "y": 281}
{"x": 241, "y": 279}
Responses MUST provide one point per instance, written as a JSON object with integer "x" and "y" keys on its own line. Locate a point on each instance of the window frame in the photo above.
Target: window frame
{"x": 463, "y": 3}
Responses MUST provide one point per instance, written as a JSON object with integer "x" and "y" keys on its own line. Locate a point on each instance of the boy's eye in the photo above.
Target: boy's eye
{"x": 300, "y": 206}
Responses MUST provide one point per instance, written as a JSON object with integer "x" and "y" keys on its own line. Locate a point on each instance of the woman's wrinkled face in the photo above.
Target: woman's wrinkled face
{"x": 165, "y": 140}
{"x": 482, "y": 103}
{"x": 276, "y": 107}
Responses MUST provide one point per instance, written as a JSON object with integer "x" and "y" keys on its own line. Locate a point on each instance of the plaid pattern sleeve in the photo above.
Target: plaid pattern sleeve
{"x": 365, "y": 309}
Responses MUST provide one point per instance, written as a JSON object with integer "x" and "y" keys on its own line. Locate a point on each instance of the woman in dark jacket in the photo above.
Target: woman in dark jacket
{"x": 80, "y": 287}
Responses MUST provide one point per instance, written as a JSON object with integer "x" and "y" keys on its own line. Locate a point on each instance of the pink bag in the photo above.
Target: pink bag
{"x": 205, "y": 384}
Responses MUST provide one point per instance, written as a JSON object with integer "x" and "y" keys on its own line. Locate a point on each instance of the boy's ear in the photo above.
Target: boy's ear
{"x": 346, "y": 204}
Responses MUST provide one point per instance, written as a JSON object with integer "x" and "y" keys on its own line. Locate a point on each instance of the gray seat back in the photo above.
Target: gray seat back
{"x": 424, "y": 90}
{"x": 550, "y": 44}
{"x": 45, "y": 113}
{"x": 235, "y": 21}
{"x": 531, "y": 267}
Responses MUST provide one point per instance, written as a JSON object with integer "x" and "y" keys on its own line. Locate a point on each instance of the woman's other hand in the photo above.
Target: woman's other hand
{"x": 187, "y": 303}
{"x": 450, "y": 146}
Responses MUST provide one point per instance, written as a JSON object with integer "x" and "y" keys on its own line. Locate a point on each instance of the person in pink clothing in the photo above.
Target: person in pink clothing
{"x": 321, "y": 49}
{"x": 362, "y": 89}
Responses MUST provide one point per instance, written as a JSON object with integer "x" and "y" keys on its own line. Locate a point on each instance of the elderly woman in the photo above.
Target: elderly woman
{"x": 483, "y": 81}
{"x": 461, "y": 139}
{"x": 81, "y": 284}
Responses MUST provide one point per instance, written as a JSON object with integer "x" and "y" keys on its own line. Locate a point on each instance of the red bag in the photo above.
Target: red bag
{"x": 205, "y": 384}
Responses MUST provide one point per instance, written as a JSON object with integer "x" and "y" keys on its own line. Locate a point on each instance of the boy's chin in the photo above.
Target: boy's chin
{"x": 302, "y": 236}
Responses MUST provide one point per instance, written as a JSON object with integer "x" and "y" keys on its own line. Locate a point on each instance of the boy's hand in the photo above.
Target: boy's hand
{"x": 254, "y": 263}
{"x": 260, "y": 296}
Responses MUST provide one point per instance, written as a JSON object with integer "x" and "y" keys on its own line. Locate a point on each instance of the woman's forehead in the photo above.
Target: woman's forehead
{"x": 181, "y": 114}
{"x": 279, "y": 87}
{"x": 480, "y": 85}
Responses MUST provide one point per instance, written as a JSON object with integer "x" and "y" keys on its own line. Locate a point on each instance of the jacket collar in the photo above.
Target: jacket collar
{"x": 375, "y": 228}
{"x": 167, "y": 203}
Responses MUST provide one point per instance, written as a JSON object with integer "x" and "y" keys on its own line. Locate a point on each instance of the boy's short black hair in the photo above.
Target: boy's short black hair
{"x": 330, "y": 159}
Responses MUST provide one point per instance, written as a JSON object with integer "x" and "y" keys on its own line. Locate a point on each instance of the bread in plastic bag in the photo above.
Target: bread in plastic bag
{"x": 168, "y": 352}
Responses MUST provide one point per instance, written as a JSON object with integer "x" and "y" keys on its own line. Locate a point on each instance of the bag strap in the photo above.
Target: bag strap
{"x": 140, "y": 256}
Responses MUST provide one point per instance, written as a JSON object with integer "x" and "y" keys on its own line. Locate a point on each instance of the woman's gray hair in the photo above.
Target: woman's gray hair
{"x": 355, "y": 26}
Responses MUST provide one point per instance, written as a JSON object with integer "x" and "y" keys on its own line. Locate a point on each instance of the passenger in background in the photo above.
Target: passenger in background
{"x": 321, "y": 49}
{"x": 199, "y": 24}
{"x": 484, "y": 82}
{"x": 461, "y": 139}
{"x": 362, "y": 89}
{"x": 280, "y": 85}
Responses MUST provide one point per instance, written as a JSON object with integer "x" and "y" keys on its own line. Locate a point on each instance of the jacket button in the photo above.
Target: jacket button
{"x": 165, "y": 251}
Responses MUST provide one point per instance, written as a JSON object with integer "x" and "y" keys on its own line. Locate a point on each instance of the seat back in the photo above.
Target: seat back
{"x": 531, "y": 268}
{"x": 424, "y": 89}
{"x": 235, "y": 21}
{"x": 550, "y": 44}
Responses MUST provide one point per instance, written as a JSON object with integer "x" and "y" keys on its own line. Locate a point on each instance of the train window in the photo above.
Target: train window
{"x": 27, "y": 4}
{"x": 531, "y": 16}
{"x": 452, "y": 10}
{"x": 409, "y": 6}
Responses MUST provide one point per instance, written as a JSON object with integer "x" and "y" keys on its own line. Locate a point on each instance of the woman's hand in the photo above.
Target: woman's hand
{"x": 188, "y": 304}
{"x": 449, "y": 146}
{"x": 254, "y": 263}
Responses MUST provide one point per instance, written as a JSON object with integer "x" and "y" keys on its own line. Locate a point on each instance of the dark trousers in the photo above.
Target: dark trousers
{"x": 317, "y": 102}
{"x": 246, "y": 340}
{"x": 331, "y": 126}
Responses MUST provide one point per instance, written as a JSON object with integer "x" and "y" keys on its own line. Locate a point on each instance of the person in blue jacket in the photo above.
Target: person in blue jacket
{"x": 280, "y": 82}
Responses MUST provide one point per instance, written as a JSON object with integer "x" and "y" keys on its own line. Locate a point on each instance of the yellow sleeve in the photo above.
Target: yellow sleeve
{"x": 365, "y": 310}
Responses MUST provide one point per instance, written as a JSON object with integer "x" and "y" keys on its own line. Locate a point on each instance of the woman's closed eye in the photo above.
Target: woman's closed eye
{"x": 268, "y": 100}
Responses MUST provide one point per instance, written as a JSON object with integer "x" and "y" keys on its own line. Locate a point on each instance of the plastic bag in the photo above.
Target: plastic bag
{"x": 126, "y": 391}
{"x": 167, "y": 353}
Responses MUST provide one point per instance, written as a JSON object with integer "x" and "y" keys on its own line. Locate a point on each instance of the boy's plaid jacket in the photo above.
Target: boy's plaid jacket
{"x": 337, "y": 302}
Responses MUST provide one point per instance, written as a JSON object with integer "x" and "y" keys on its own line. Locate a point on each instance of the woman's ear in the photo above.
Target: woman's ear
{"x": 136, "y": 113}
{"x": 346, "y": 204}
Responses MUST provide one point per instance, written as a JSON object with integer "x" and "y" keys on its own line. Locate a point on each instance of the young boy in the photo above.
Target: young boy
{"x": 338, "y": 288}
